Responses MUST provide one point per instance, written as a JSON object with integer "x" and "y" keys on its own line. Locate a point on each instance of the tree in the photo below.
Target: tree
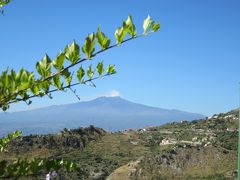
{"x": 56, "y": 75}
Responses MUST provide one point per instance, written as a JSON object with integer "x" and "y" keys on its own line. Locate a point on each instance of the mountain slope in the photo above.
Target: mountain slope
{"x": 110, "y": 113}
{"x": 201, "y": 149}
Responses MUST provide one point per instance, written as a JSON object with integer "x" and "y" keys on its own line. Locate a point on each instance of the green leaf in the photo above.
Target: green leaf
{"x": 35, "y": 166}
{"x": 58, "y": 61}
{"x": 147, "y": 25}
{"x": 80, "y": 74}
{"x": 24, "y": 95}
{"x": 4, "y": 78}
{"x": 90, "y": 72}
{"x": 120, "y": 33}
{"x": 31, "y": 78}
{"x": 69, "y": 165}
{"x": 12, "y": 84}
{"x": 44, "y": 66}
{"x": 9, "y": 137}
{"x": 111, "y": 69}
{"x": 88, "y": 47}
{"x": 24, "y": 79}
{"x": 67, "y": 76}
{"x": 100, "y": 68}
{"x": 102, "y": 40}
{"x": 57, "y": 82}
{"x": 46, "y": 62}
{"x": 4, "y": 2}
{"x": 39, "y": 69}
{"x": 72, "y": 52}
{"x": 129, "y": 26}
{"x": 24, "y": 75}
{"x": 155, "y": 26}
{"x": 23, "y": 86}
{"x": 45, "y": 86}
{"x": 4, "y": 108}
{"x": 35, "y": 90}
{"x": 16, "y": 134}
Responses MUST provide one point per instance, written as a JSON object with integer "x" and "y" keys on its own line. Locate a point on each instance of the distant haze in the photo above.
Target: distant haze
{"x": 110, "y": 113}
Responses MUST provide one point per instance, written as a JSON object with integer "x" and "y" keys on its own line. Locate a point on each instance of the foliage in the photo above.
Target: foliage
{"x": 2, "y": 4}
{"x": 55, "y": 75}
{"x": 23, "y": 167}
{"x": 216, "y": 176}
{"x": 29, "y": 167}
{"x": 149, "y": 25}
{"x": 227, "y": 140}
{"x": 151, "y": 139}
{"x": 33, "y": 167}
{"x": 8, "y": 138}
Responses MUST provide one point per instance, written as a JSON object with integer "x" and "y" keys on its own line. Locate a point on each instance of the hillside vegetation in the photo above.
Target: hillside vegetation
{"x": 201, "y": 149}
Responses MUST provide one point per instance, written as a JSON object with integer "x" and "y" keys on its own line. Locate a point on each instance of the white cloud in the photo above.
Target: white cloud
{"x": 112, "y": 93}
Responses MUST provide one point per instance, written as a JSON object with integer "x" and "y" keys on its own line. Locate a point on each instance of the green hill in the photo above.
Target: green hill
{"x": 201, "y": 149}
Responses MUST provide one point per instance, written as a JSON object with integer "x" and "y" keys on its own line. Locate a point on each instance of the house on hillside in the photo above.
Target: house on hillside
{"x": 231, "y": 129}
{"x": 142, "y": 130}
{"x": 215, "y": 117}
{"x": 133, "y": 143}
{"x": 168, "y": 141}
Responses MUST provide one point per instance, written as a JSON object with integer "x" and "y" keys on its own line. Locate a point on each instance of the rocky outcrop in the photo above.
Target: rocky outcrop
{"x": 66, "y": 139}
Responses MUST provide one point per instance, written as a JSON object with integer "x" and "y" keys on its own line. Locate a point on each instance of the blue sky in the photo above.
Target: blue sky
{"x": 191, "y": 64}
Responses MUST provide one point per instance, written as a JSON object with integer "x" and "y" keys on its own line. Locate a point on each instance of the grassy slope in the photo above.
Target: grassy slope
{"x": 188, "y": 163}
{"x": 104, "y": 156}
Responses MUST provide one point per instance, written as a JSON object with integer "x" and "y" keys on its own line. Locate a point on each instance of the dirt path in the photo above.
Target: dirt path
{"x": 124, "y": 172}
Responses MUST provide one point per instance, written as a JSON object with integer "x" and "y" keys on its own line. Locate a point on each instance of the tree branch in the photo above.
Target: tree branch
{"x": 8, "y": 101}
{"x": 63, "y": 88}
